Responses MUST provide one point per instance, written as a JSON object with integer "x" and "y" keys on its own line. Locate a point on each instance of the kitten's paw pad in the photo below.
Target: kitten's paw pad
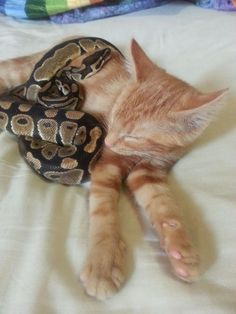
{"x": 102, "y": 274}
{"x": 185, "y": 262}
{"x": 183, "y": 257}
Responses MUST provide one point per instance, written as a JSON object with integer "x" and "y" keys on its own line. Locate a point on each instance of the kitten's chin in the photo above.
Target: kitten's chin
{"x": 124, "y": 152}
{"x": 120, "y": 151}
{"x": 147, "y": 155}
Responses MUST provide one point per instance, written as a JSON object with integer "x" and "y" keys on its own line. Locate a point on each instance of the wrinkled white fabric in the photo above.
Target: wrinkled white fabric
{"x": 44, "y": 227}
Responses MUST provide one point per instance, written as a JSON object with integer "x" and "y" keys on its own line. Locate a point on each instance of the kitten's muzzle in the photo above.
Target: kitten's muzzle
{"x": 109, "y": 141}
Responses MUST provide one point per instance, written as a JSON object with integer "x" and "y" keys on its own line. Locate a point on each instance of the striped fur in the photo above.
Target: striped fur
{"x": 150, "y": 189}
{"x": 150, "y": 117}
{"x": 18, "y": 71}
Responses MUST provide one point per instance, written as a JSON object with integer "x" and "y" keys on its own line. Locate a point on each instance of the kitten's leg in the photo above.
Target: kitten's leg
{"x": 16, "y": 71}
{"x": 102, "y": 274}
{"x": 151, "y": 191}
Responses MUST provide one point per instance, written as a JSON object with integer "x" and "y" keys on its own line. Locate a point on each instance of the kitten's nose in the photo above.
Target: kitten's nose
{"x": 109, "y": 141}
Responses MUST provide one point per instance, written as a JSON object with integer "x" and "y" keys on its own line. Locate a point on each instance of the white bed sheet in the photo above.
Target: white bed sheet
{"x": 44, "y": 227}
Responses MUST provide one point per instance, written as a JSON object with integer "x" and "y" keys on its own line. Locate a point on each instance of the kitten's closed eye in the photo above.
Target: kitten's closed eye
{"x": 130, "y": 138}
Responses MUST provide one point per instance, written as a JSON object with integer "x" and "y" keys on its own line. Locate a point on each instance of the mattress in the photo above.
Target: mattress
{"x": 44, "y": 226}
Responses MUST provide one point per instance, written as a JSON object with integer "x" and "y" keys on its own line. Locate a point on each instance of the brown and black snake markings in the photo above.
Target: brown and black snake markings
{"x": 60, "y": 142}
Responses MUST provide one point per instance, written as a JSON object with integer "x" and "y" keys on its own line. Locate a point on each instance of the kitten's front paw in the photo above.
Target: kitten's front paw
{"x": 102, "y": 274}
{"x": 183, "y": 257}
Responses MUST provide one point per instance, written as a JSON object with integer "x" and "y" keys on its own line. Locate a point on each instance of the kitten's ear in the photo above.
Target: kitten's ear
{"x": 142, "y": 64}
{"x": 201, "y": 108}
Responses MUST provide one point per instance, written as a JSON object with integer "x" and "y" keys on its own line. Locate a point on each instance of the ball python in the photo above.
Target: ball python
{"x": 59, "y": 141}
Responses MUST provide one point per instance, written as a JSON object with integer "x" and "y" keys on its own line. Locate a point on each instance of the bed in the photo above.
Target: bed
{"x": 44, "y": 227}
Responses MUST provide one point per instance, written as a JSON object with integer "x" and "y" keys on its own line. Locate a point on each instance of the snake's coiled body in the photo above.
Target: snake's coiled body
{"x": 58, "y": 140}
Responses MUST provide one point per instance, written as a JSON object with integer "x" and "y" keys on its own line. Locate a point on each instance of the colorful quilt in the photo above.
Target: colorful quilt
{"x": 72, "y": 11}
{"x": 34, "y": 9}
{"x": 226, "y": 5}
{"x": 106, "y": 9}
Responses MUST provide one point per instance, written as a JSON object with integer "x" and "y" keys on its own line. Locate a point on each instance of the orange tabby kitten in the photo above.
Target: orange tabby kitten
{"x": 151, "y": 118}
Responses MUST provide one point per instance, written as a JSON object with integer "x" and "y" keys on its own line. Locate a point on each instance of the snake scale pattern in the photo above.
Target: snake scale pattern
{"x": 59, "y": 141}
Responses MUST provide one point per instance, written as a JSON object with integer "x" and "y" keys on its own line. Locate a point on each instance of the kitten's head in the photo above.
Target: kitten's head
{"x": 157, "y": 112}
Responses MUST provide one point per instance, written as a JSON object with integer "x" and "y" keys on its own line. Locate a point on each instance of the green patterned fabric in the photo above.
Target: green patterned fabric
{"x": 35, "y": 9}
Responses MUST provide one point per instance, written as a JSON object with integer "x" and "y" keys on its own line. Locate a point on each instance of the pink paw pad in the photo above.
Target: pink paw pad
{"x": 175, "y": 254}
{"x": 181, "y": 272}
{"x": 172, "y": 224}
